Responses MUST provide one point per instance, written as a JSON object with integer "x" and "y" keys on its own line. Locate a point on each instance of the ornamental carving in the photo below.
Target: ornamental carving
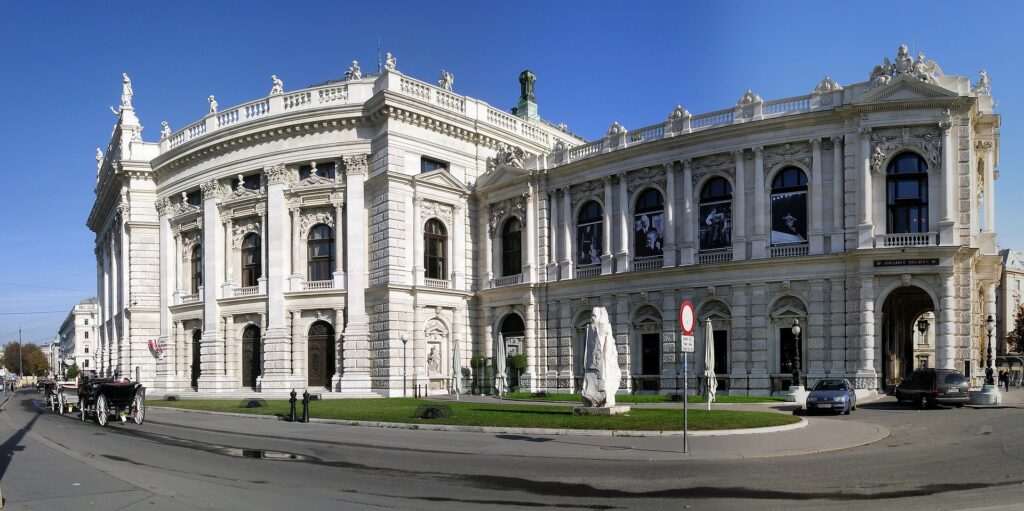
{"x": 355, "y": 164}
{"x": 188, "y": 241}
{"x": 163, "y": 206}
{"x": 279, "y": 174}
{"x": 242, "y": 228}
{"x": 212, "y": 189}
{"x": 581, "y": 192}
{"x": 615, "y": 129}
{"x": 431, "y": 209}
{"x": 314, "y": 216}
{"x": 887, "y": 141}
{"x": 749, "y": 98}
{"x": 827, "y": 85}
{"x": 722, "y": 162}
{"x": 315, "y": 178}
{"x": 793, "y": 152}
{"x": 499, "y": 211}
{"x": 184, "y": 206}
{"x": 905, "y": 65}
{"x": 984, "y": 86}
{"x": 678, "y": 113}
{"x": 241, "y": 192}
{"x": 644, "y": 177}
{"x": 507, "y": 155}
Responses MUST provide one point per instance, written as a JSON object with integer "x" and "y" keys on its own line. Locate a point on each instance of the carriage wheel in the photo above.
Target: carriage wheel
{"x": 139, "y": 408}
{"x": 101, "y": 410}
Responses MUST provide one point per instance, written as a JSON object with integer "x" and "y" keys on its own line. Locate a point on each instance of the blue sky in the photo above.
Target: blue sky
{"x": 596, "y": 62}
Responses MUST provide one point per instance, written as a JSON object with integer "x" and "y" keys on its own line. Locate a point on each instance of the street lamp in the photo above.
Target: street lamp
{"x": 922, "y": 325}
{"x": 990, "y": 325}
{"x": 796, "y": 359}
{"x": 405, "y": 340}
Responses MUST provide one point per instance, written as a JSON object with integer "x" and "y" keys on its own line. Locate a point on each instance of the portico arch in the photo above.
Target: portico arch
{"x": 902, "y": 307}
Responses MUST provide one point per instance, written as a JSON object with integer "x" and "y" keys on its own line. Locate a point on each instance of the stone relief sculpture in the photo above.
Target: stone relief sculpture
{"x": 678, "y": 113}
{"x": 887, "y": 140}
{"x": 278, "y": 87}
{"x": 600, "y": 362}
{"x": 433, "y": 362}
{"x": 984, "y": 86}
{"x": 390, "y": 62}
{"x": 507, "y": 155}
{"x": 213, "y": 104}
{"x": 923, "y": 70}
{"x": 446, "y": 80}
{"x": 126, "y": 91}
{"x": 165, "y": 130}
{"x": 354, "y": 73}
{"x": 748, "y": 98}
{"x": 615, "y": 129}
{"x": 827, "y": 85}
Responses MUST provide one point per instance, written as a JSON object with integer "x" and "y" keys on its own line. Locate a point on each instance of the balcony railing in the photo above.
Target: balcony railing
{"x": 908, "y": 239}
{"x": 246, "y": 291}
{"x": 788, "y": 251}
{"x": 650, "y": 263}
{"x": 510, "y": 280}
{"x": 316, "y": 285}
{"x": 437, "y": 283}
{"x": 723, "y": 256}
{"x": 190, "y": 298}
{"x": 588, "y": 272}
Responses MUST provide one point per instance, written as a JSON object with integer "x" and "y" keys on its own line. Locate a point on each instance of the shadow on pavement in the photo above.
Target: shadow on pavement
{"x": 8, "y": 448}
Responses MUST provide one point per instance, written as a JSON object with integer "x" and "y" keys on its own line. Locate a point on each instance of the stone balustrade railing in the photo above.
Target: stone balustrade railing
{"x": 789, "y": 250}
{"x": 722, "y": 256}
{"x": 908, "y": 239}
{"x": 437, "y": 283}
{"x": 316, "y": 285}
{"x": 650, "y": 263}
{"x": 510, "y": 280}
{"x": 588, "y": 272}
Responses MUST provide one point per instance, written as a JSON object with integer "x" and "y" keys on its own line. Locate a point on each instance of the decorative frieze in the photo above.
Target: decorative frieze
{"x": 722, "y": 162}
{"x": 799, "y": 152}
{"x": 356, "y": 164}
{"x": 163, "y": 205}
{"x": 189, "y": 239}
{"x": 580, "y": 192}
{"x": 242, "y": 227}
{"x": 513, "y": 206}
{"x": 904, "y": 65}
{"x": 279, "y": 174}
{"x": 212, "y": 189}
{"x": 314, "y": 216}
{"x": 430, "y": 209}
{"x": 508, "y": 156}
{"x": 886, "y": 141}
{"x": 646, "y": 176}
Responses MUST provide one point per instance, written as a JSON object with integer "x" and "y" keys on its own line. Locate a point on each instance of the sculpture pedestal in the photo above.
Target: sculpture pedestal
{"x": 600, "y": 410}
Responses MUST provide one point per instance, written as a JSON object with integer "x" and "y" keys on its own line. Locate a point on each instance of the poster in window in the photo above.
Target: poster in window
{"x": 588, "y": 244}
{"x": 647, "y": 234}
{"x": 789, "y": 218}
{"x": 715, "y": 225}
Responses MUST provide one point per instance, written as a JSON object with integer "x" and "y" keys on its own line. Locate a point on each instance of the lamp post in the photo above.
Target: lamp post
{"x": 405, "y": 340}
{"x": 990, "y": 325}
{"x": 922, "y": 327}
{"x": 796, "y": 358}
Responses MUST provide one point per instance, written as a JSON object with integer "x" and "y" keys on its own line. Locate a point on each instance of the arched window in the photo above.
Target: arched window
{"x": 251, "y": 350}
{"x": 715, "y": 218}
{"x": 512, "y": 247}
{"x": 435, "y": 243}
{"x": 320, "y": 253}
{"x": 907, "y": 194}
{"x": 589, "y": 234}
{"x": 252, "y": 266}
{"x": 197, "y": 268}
{"x": 789, "y": 207}
{"x": 648, "y": 224}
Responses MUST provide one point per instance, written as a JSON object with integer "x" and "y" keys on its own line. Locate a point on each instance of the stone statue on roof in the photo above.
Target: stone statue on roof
{"x": 446, "y": 80}
{"x": 390, "y": 62}
{"x": 278, "y": 87}
{"x": 527, "y": 80}
{"x": 984, "y": 86}
{"x": 354, "y": 73}
{"x": 165, "y": 131}
{"x": 126, "y": 91}
{"x": 213, "y": 104}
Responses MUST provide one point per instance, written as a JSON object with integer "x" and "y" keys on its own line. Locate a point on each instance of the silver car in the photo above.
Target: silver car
{"x": 833, "y": 395}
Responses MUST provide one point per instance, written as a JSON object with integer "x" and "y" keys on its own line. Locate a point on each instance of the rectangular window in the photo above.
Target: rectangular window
{"x": 430, "y": 164}
{"x": 650, "y": 358}
{"x": 86, "y": 335}
{"x": 721, "y": 351}
{"x": 85, "y": 364}
{"x": 87, "y": 349}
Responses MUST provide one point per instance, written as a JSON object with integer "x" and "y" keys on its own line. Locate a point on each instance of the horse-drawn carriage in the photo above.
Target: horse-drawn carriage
{"x": 105, "y": 398}
{"x": 49, "y": 388}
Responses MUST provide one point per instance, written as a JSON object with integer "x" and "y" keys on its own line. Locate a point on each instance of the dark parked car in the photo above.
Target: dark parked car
{"x": 930, "y": 387}
{"x": 832, "y": 394}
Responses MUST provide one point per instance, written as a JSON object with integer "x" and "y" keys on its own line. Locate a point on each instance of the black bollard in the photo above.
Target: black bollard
{"x": 305, "y": 406}
{"x": 291, "y": 414}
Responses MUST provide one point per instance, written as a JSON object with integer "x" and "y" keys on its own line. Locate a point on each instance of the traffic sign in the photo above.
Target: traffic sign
{"x": 686, "y": 343}
{"x": 686, "y": 317}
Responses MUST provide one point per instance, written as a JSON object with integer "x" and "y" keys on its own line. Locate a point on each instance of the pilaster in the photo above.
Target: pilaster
{"x": 357, "y": 334}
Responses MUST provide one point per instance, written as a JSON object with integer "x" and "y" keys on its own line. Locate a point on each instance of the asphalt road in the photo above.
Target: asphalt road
{"x": 942, "y": 458}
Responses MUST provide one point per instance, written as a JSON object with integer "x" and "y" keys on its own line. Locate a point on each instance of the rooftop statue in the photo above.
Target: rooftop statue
{"x": 924, "y": 70}
{"x": 126, "y": 91}
{"x": 213, "y": 104}
{"x": 446, "y": 80}
{"x": 527, "y": 80}
{"x": 390, "y": 62}
{"x": 600, "y": 362}
{"x": 748, "y": 98}
{"x": 827, "y": 85}
{"x": 678, "y": 113}
{"x": 354, "y": 73}
{"x": 984, "y": 86}
{"x": 165, "y": 131}
{"x": 615, "y": 129}
{"x": 278, "y": 87}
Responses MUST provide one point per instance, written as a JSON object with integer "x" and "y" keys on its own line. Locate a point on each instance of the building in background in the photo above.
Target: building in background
{"x": 77, "y": 335}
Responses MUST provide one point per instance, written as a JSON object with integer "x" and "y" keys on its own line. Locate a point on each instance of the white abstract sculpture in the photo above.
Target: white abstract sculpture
{"x": 601, "y": 362}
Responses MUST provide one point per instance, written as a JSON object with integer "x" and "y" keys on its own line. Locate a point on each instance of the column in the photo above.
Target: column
{"x": 739, "y": 211}
{"x": 166, "y": 288}
{"x": 688, "y": 214}
{"x": 530, "y": 346}
{"x": 296, "y": 266}
{"x": 418, "y": 271}
{"x": 552, "y": 235}
{"x": 945, "y": 341}
{"x": 990, "y": 307}
{"x": 990, "y": 191}
{"x": 357, "y": 333}
{"x": 947, "y": 233}
{"x": 277, "y": 341}
{"x": 339, "y": 344}
{"x": 816, "y": 238}
{"x": 622, "y": 256}
{"x": 838, "y": 197}
{"x": 567, "y": 235}
{"x": 488, "y": 252}
{"x": 529, "y": 273}
{"x": 232, "y": 353}
{"x": 866, "y": 368}
{"x": 181, "y": 359}
{"x": 262, "y": 281}
{"x": 339, "y": 248}
{"x": 759, "y": 247}
{"x": 228, "y": 284}
{"x": 296, "y": 360}
{"x": 459, "y": 250}
{"x": 669, "y": 259}
{"x": 178, "y": 283}
{"x": 865, "y": 229}
{"x": 606, "y": 227}
{"x": 211, "y": 354}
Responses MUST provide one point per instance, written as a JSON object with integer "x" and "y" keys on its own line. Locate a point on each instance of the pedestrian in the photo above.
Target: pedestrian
{"x": 1004, "y": 380}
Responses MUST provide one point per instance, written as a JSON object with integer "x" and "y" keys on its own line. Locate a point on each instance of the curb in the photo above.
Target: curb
{"x": 493, "y": 429}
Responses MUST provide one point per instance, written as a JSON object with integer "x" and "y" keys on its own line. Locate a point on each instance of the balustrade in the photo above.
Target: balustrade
{"x": 588, "y": 272}
{"x": 190, "y": 298}
{"x": 778, "y": 106}
{"x": 722, "y": 256}
{"x": 649, "y": 263}
{"x": 437, "y": 283}
{"x": 712, "y": 119}
{"x": 510, "y": 280}
{"x": 788, "y": 251}
{"x": 908, "y": 239}
{"x": 246, "y": 291}
{"x": 316, "y": 285}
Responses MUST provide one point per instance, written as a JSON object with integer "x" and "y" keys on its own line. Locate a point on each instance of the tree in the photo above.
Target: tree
{"x": 72, "y": 372}
{"x": 1015, "y": 339}
{"x": 32, "y": 359}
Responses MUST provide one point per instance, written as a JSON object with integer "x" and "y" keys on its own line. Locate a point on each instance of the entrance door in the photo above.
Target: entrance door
{"x": 321, "y": 354}
{"x": 197, "y": 336}
{"x": 251, "y": 348}
{"x": 650, "y": 361}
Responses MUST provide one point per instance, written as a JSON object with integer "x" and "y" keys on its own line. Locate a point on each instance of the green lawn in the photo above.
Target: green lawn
{"x": 496, "y": 414}
{"x": 644, "y": 398}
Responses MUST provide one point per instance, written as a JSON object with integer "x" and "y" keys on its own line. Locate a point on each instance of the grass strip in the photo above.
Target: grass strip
{"x": 402, "y": 410}
{"x": 642, "y": 398}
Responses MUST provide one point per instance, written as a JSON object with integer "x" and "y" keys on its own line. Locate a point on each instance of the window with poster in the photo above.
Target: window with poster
{"x": 648, "y": 224}
{"x": 589, "y": 234}
{"x": 789, "y": 207}
{"x": 715, "y": 216}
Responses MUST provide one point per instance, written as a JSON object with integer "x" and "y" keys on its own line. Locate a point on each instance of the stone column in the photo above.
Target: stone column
{"x": 297, "y": 347}
{"x": 759, "y": 247}
{"x": 166, "y": 287}
{"x": 669, "y": 259}
{"x": 838, "y": 197}
{"x": 232, "y": 353}
{"x": 567, "y": 256}
{"x": 181, "y": 360}
{"x": 262, "y": 280}
{"x": 865, "y": 228}
{"x": 296, "y": 266}
{"x": 622, "y": 255}
{"x": 459, "y": 337}
{"x": 606, "y": 228}
{"x": 739, "y": 211}
{"x": 211, "y": 347}
{"x": 815, "y": 236}
{"x": 990, "y": 190}
{"x": 552, "y": 233}
{"x": 990, "y": 308}
{"x": 530, "y": 346}
{"x": 277, "y": 340}
{"x": 688, "y": 214}
{"x": 418, "y": 269}
{"x": 339, "y": 248}
{"x": 945, "y": 341}
{"x": 339, "y": 345}
{"x": 947, "y": 225}
{"x": 866, "y": 376}
{"x": 459, "y": 248}
{"x": 357, "y": 333}
{"x": 488, "y": 251}
{"x": 179, "y": 286}
{"x": 530, "y": 245}
{"x": 228, "y": 284}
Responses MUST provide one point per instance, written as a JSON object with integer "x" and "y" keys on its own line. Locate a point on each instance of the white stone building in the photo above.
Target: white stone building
{"x": 77, "y": 335}
{"x": 382, "y": 205}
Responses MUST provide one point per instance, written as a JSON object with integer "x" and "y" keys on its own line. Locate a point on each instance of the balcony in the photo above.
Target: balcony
{"x": 510, "y": 280}
{"x": 317, "y": 285}
{"x": 907, "y": 239}
{"x": 588, "y": 272}
{"x": 649, "y": 263}
{"x": 437, "y": 283}
{"x": 190, "y": 298}
{"x": 788, "y": 251}
{"x": 246, "y": 291}
{"x": 722, "y": 256}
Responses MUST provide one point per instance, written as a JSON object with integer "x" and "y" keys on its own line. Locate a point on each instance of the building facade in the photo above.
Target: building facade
{"x": 376, "y": 233}
{"x": 77, "y": 335}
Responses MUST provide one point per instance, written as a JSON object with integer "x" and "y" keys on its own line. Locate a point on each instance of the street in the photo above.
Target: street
{"x": 943, "y": 458}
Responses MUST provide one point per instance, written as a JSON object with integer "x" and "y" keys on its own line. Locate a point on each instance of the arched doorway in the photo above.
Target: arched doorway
{"x": 901, "y": 311}
{"x": 197, "y": 337}
{"x": 321, "y": 354}
{"x": 252, "y": 348}
{"x": 513, "y": 332}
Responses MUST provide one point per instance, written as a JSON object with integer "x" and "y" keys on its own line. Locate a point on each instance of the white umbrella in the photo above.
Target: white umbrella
{"x": 499, "y": 377}
{"x": 456, "y": 369}
{"x": 709, "y": 361}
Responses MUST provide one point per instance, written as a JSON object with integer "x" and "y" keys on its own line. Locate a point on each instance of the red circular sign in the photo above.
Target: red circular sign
{"x": 686, "y": 317}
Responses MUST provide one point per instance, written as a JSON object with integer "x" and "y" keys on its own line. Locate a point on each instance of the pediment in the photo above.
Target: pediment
{"x": 442, "y": 179}
{"x": 905, "y": 88}
{"x": 500, "y": 174}
{"x": 788, "y": 311}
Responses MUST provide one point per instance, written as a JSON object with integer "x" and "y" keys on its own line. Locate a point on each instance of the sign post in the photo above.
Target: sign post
{"x": 686, "y": 322}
